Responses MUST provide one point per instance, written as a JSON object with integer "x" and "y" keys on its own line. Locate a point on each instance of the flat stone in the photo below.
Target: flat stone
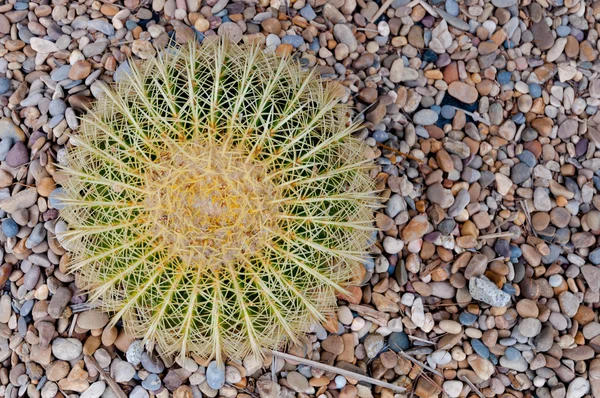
{"x": 43, "y": 46}
{"x": 298, "y": 382}
{"x": 9, "y": 130}
{"x": 482, "y": 289}
{"x": 425, "y": 117}
{"x": 530, "y": 327}
{"x": 95, "y": 390}
{"x": 59, "y": 302}
{"x": 66, "y": 349}
{"x": 343, "y": 34}
{"x": 542, "y": 35}
{"x": 463, "y": 92}
{"x": 121, "y": 371}
{"x": 569, "y": 304}
{"x": 215, "y": 375}
{"x": 92, "y": 319}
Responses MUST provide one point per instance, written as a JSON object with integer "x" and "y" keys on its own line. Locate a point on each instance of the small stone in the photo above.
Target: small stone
{"x": 101, "y": 26}
{"x": 18, "y": 155}
{"x": 482, "y": 289}
{"x": 143, "y": 49}
{"x": 92, "y": 319}
{"x": 59, "y": 302}
{"x": 298, "y": 382}
{"x": 437, "y": 194}
{"x": 134, "y": 352}
{"x": 152, "y": 364}
{"x": 343, "y": 34}
{"x": 398, "y": 341}
{"x": 215, "y": 375}
{"x": 43, "y": 46}
{"x": 21, "y": 200}
{"x": 453, "y": 387}
{"x": 9, "y": 227}
{"x": 80, "y": 70}
{"x": 231, "y": 30}
{"x": 578, "y": 388}
{"x": 415, "y": 229}
{"x": 530, "y": 327}
{"x": 503, "y": 184}
{"x": 66, "y": 349}
{"x": 152, "y": 382}
{"x": 139, "y": 392}
{"x": 425, "y": 117}
{"x": 569, "y": 304}
{"x": 4, "y": 85}
{"x": 333, "y": 344}
{"x": 172, "y": 380}
{"x": 95, "y": 390}
{"x": 463, "y": 92}
{"x": 542, "y": 35}
{"x": 121, "y": 371}
{"x": 374, "y": 343}
{"x": 520, "y": 173}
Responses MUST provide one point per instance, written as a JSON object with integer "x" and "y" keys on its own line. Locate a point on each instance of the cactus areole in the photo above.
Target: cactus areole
{"x": 216, "y": 201}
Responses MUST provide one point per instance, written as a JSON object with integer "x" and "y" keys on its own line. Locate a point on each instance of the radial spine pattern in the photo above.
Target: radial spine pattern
{"x": 216, "y": 200}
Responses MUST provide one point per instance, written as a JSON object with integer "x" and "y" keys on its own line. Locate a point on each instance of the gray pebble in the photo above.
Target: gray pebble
{"x": 152, "y": 382}
{"x": 215, "y": 375}
{"x": 57, "y": 107}
{"x": 101, "y": 26}
{"x": 36, "y": 237}
{"x": 139, "y": 392}
{"x": 4, "y": 85}
{"x": 134, "y": 352}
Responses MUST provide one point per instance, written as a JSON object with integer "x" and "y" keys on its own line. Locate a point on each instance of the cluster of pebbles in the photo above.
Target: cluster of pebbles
{"x": 483, "y": 120}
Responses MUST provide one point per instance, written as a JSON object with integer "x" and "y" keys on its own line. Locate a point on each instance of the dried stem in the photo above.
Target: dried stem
{"x": 475, "y": 389}
{"x": 339, "y": 371}
{"x": 111, "y": 382}
{"x": 397, "y": 152}
{"x": 497, "y": 235}
{"x": 421, "y": 364}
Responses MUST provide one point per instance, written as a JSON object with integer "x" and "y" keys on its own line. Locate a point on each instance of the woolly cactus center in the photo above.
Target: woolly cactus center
{"x": 210, "y": 205}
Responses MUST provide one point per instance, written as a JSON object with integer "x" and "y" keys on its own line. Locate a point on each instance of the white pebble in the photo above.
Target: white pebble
{"x": 555, "y": 280}
{"x": 340, "y": 382}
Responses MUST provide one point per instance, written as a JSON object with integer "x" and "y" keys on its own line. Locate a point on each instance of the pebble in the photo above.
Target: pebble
{"x": 122, "y": 371}
{"x": 215, "y": 375}
{"x": 66, "y": 349}
{"x": 9, "y": 227}
{"x": 463, "y": 92}
{"x": 482, "y": 289}
{"x": 152, "y": 382}
{"x": 139, "y": 392}
{"x": 95, "y": 390}
{"x": 425, "y": 117}
{"x": 92, "y": 319}
{"x": 398, "y": 341}
{"x": 134, "y": 351}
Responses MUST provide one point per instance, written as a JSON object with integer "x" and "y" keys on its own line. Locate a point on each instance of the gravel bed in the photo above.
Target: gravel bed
{"x": 483, "y": 120}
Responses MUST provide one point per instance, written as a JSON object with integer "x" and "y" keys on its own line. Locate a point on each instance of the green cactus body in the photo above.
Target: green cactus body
{"x": 216, "y": 201}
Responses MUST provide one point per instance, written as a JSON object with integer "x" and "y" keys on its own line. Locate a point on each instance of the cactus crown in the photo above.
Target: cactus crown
{"x": 216, "y": 200}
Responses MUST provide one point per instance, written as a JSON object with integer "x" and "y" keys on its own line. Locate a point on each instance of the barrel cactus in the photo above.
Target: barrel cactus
{"x": 216, "y": 200}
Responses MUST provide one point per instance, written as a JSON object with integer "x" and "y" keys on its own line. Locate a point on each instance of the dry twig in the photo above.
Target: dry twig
{"x": 381, "y": 10}
{"x": 421, "y": 364}
{"x": 475, "y": 389}
{"x": 497, "y": 235}
{"x": 109, "y": 380}
{"x": 343, "y": 372}
{"x": 397, "y": 152}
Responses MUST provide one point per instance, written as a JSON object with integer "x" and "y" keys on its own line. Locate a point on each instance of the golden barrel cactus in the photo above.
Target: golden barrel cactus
{"x": 216, "y": 200}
